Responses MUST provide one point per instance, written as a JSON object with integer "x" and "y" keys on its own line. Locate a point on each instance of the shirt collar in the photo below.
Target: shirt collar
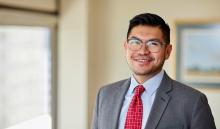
{"x": 150, "y": 85}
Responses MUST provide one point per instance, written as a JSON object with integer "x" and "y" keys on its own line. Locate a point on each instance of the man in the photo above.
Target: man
{"x": 150, "y": 99}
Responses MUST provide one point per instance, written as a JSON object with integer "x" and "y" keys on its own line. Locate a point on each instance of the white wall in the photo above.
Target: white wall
{"x": 72, "y": 65}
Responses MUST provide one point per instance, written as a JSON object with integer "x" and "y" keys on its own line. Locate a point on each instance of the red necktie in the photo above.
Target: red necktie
{"x": 135, "y": 110}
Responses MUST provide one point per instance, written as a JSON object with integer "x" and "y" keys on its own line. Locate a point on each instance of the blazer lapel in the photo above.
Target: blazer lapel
{"x": 120, "y": 94}
{"x": 160, "y": 103}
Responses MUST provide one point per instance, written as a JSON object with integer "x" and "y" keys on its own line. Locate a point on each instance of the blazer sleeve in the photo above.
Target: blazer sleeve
{"x": 202, "y": 116}
{"x": 95, "y": 113}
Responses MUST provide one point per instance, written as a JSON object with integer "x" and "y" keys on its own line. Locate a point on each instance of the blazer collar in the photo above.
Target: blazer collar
{"x": 160, "y": 102}
{"x": 120, "y": 94}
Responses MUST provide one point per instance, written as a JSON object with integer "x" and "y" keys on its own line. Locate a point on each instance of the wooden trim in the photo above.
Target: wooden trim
{"x": 16, "y": 8}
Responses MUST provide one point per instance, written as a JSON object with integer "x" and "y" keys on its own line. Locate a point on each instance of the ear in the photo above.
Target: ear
{"x": 125, "y": 45}
{"x": 168, "y": 51}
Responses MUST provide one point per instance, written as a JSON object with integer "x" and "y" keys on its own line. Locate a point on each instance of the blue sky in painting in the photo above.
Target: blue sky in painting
{"x": 203, "y": 50}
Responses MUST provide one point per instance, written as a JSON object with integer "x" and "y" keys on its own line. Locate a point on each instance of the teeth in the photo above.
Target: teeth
{"x": 142, "y": 60}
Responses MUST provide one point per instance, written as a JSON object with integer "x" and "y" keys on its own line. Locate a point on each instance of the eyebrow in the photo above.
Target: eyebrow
{"x": 133, "y": 37}
{"x": 154, "y": 39}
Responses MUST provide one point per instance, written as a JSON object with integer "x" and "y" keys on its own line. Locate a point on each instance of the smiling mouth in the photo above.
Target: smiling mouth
{"x": 147, "y": 60}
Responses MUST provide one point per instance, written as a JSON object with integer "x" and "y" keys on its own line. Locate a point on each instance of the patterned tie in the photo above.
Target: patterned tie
{"x": 135, "y": 110}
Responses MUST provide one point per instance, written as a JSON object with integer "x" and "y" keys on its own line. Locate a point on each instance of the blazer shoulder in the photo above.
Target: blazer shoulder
{"x": 185, "y": 90}
{"x": 113, "y": 90}
{"x": 178, "y": 89}
{"x": 115, "y": 85}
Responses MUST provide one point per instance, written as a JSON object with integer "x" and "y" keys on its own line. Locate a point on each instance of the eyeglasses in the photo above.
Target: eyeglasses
{"x": 153, "y": 45}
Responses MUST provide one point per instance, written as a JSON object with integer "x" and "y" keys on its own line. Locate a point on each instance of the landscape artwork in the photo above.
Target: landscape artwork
{"x": 198, "y": 53}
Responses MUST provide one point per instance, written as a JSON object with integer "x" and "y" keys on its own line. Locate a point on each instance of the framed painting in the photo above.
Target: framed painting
{"x": 198, "y": 52}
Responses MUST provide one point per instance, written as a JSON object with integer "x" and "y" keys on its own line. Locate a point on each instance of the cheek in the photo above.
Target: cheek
{"x": 129, "y": 54}
{"x": 160, "y": 57}
{"x": 128, "y": 57}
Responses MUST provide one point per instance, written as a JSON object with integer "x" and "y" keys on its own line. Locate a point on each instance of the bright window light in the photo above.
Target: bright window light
{"x": 25, "y": 77}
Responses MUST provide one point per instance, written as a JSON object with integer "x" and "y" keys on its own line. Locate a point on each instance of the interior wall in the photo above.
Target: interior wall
{"x": 108, "y": 22}
{"x": 72, "y": 65}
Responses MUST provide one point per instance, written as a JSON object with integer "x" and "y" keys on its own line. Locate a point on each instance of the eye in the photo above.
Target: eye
{"x": 134, "y": 42}
{"x": 153, "y": 43}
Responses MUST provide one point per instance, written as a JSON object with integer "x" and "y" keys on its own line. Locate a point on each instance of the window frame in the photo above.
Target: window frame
{"x": 39, "y": 19}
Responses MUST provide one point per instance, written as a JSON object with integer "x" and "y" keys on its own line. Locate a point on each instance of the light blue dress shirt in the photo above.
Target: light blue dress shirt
{"x": 147, "y": 97}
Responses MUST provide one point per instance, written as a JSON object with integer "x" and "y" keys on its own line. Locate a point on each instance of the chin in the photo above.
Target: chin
{"x": 145, "y": 72}
{"x": 142, "y": 73}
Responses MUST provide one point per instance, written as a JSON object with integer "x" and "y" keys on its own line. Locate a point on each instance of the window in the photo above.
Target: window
{"x": 25, "y": 77}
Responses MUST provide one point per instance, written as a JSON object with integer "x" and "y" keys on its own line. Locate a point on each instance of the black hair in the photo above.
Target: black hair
{"x": 149, "y": 19}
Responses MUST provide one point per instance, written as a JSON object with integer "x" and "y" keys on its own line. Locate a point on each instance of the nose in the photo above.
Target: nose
{"x": 144, "y": 49}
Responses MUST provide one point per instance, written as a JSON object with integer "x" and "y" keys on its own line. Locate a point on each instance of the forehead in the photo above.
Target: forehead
{"x": 146, "y": 32}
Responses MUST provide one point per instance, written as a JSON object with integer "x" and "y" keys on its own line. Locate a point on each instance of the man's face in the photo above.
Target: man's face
{"x": 143, "y": 62}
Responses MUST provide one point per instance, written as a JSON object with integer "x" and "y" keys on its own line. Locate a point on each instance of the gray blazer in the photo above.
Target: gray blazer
{"x": 176, "y": 106}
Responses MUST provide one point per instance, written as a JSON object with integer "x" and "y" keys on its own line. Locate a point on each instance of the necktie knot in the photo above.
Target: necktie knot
{"x": 139, "y": 90}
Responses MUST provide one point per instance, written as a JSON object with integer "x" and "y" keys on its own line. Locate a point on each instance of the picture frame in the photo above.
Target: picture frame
{"x": 198, "y": 52}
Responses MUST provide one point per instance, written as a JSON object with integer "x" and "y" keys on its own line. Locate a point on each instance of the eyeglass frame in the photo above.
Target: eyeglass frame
{"x": 146, "y": 44}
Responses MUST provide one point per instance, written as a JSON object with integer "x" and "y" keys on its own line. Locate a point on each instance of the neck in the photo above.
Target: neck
{"x": 142, "y": 78}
